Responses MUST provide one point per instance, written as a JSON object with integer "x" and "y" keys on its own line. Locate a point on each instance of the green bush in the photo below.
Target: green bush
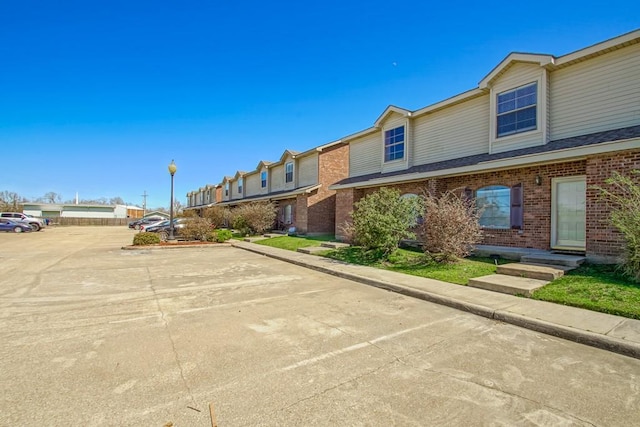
{"x": 623, "y": 193}
{"x": 144, "y": 238}
{"x": 222, "y": 235}
{"x": 382, "y": 219}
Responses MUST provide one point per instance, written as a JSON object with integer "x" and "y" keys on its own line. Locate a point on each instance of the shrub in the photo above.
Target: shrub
{"x": 382, "y": 219}
{"x": 450, "y": 227}
{"x": 222, "y": 235}
{"x": 144, "y": 238}
{"x": 217, "y": 215}
{"x": 256, "y": 217}
{"x": 196, "y": 229}
{"x": 624, "y": 194}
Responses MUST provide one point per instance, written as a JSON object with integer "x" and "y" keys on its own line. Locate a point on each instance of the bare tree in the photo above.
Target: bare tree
{"x": 11, "y": 201}
{"x": 52, "y": 197}
{"x": 117, "y": 201}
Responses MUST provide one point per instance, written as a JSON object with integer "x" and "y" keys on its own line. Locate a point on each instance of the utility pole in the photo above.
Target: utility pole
{"x": 144, "y": 203}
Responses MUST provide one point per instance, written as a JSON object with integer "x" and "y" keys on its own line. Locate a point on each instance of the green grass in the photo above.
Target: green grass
{"x": 416, "y": 264}
{"x": 594, "y": 287}
{"x": 292, "y": 243}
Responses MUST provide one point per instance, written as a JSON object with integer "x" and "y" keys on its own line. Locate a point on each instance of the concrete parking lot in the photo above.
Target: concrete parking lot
{"x": 96, "y": 336}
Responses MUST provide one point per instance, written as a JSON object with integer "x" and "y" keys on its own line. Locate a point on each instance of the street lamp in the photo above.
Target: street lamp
{"x": 172, "y": 170}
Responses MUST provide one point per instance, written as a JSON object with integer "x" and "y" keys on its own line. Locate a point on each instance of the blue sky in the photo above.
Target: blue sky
{"x": 97, "y": 97}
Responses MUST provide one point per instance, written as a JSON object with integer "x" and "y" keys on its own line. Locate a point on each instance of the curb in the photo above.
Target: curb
{"x": 592, "y": 339}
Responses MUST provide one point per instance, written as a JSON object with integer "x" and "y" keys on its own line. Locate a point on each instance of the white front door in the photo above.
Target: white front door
{"x": 568, "y": 213}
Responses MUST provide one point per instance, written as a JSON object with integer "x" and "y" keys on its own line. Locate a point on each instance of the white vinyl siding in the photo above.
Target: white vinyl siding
{"x": 235, "y": 194}
{"x": 276, "y": 175}
{"x": 516, "y": 76}
{"x": 365, "y": 155}
{"x": 292, "y": 184}
{"x": 458, "y": 131}
{"x": 595, "y": 95}
{"x": 252, "y": 184}
{"x": 308, "y": 170}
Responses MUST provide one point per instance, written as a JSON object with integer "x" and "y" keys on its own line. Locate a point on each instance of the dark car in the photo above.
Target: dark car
{"x": 14, "y": 226}
{"x": 137, "y": 224}
{"x": 178, "y": 225}
{"x": 155, "y": 226}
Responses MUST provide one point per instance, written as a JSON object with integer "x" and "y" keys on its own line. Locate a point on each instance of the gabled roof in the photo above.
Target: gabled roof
{"x": 239, "y": 174}
{"x": 263, "y": 163}
{"x": 390, "y": 110}
{"x": 512, "y": 58}
{"x": 286, "y": 153}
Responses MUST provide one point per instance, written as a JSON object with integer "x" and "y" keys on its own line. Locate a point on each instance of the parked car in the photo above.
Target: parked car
{"x": 155, "y": 226}
{"x": 36, "y": 224}
{"x": 144, "y": 221}
{"x": 9, "y": 225}
{"x": 178, "y": 224}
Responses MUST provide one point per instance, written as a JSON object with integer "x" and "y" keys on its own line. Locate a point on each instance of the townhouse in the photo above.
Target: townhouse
{"x": 298, "y": 184}
{"x": 529, "y": 143}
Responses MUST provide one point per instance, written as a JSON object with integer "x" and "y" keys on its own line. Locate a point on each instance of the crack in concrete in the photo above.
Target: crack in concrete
{"x": 173, "y": 344}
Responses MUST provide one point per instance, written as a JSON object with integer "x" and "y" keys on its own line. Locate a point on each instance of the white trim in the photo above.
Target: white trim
{"x": 542, "y": 60}
{"x": 554, "y": 216}
{"x": 513, "y": 162}
{"x": 599, "y": 48}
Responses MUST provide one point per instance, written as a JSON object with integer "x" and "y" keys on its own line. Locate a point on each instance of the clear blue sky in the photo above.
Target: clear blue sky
{"x": 98, "y": 96}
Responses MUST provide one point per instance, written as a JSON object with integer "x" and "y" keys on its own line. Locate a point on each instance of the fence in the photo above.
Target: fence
{"x": 90, "y": 221}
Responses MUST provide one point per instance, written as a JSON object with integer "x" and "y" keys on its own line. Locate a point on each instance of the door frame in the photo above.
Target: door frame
{"x": 554, "y": 215}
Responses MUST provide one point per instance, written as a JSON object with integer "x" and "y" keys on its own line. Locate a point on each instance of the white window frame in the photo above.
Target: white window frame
{"x": 263, "y": 181}
{"x": 240, "y": 186}
{"x": 478, "y": 200}
{"x": 393, "y": 144}
{"x": 516, "y": 109}
{"x": 541, "y": 133}
{"x": 286, "y": 172}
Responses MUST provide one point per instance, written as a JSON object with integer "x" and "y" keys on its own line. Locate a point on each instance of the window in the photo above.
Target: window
{"x": 240, "y": 185}
{"x": 501, "y": 206}
{"x": 226, "y": 189}
{"x": 288, "y": 172}
{"x": 517, "y": 109}
{"x": 263, "y": 179}
{"x": 394, "y": 144}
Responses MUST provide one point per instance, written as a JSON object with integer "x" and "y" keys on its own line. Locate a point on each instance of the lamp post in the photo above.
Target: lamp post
{"x": 172, "y": 170}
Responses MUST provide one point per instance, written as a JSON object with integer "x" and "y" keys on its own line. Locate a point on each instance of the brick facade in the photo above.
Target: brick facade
{"x": 604, "y": 243}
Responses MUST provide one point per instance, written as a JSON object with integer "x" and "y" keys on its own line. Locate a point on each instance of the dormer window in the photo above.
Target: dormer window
{"x": 240, "y": 185}
{"x": 226, "y": 189}
{"x": 394, "y": 144}
{"x": 517, "y": 110}
{"x": 263, "y": 179}
{"x": 288, "y": 172}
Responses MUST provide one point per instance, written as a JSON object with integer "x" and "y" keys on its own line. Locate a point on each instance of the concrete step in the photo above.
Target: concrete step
{"x": 311, "y": 250}
{"x": 253, "y": 239}
{"x": 533, "y": 271}
{"x": 553, "y": 259}
{"x": 269, "y": 235}
{"x": 507, "y": 284}
{"x": 335, "y": 245}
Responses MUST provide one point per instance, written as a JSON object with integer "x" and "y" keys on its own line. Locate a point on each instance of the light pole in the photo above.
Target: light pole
{"x": 172, "y": 170}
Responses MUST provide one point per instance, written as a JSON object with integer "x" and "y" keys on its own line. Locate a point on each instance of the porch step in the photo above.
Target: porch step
{"x": 335, "y": 245}
{"x": 311, "y": 250}
{"x": 553, "y": 259}
{"x": 533, "y": 271}
{"x": 507, "y": 284}
{"x": 253, "y": 239}
{"x": 270, "y": 235}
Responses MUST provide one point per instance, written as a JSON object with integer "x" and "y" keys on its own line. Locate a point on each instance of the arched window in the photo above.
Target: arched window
{"x": 494, "y": 202}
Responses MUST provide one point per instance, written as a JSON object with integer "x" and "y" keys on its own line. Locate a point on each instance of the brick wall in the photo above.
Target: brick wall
{"x": 604, "y": 242}
{"x": 333, "y": 166}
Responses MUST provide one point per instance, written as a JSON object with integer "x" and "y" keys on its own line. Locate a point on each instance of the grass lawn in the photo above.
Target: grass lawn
{"x": 292, "y": 243}
{"x": 415, "y": 263}
{"x": 594, "y": 287}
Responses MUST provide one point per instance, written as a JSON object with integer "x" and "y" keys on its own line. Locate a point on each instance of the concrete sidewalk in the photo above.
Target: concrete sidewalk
{"x": 605, "y": 331}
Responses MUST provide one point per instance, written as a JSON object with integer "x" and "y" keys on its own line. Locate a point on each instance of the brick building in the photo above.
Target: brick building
{"x": 530, "y": 143}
